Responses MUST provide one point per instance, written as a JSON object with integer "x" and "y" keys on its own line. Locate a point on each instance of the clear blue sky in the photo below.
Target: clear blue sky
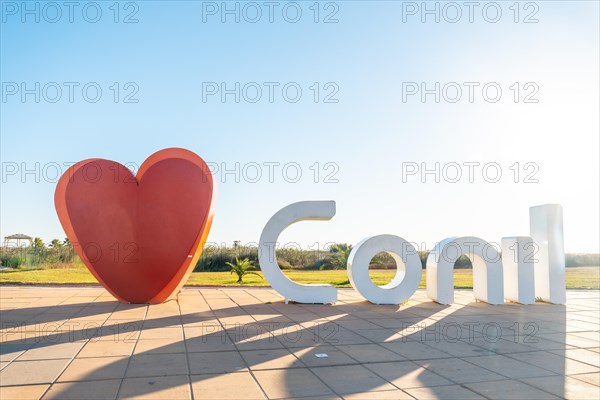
{"x": 367, "y": 135}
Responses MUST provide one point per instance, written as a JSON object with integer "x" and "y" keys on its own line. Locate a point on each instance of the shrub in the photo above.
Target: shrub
{"x": 284, "y": 264}
{"x": 14, "y": 262}
{"x": 242, "y": 268}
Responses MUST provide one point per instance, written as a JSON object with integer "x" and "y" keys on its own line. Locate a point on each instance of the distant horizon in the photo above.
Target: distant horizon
{"x": 287, "y": 245}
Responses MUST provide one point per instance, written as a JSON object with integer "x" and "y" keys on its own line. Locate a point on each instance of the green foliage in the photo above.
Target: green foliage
{"x": 57, "y": 252}
{"x": 284, "y": 264}
{"x": 340, "y": 248}
{"x": 37, "y": 243}
{"x": 12, "y": 261}
{"x": 215, "y": 258}
{"x": 463, "y": 262}
{"x": 581, "y": 260}
{"x": 338, "y": 258}
{"x": 242, "y": 268}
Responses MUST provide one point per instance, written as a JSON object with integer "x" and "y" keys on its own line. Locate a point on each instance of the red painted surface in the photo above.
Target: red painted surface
{"x": 142, "y": 235}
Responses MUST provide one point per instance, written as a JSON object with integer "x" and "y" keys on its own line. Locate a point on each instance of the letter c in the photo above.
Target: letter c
{"x": 290, "y": 290}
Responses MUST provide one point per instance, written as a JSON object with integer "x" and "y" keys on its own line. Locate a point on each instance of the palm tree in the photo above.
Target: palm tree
{"x": 241, "y": 268}
{"x": 37, "y": 243}
{"x": 339, "y": 258}
{"x": 55, "y": 244}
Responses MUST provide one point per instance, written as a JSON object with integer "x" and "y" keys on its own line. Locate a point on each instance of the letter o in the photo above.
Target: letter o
{"x": 286, "y": 16}
{"x": 407, "y": 278}
{"x": 57, "y": 12}
{"x": 85, "y": 92}
{"x": 486, "y": 17}
{"x": 285, "y": 92}
{"x": 257, "y": 11}
{"x": 457, "y": 11}
{"x": 57, "y": 90}
{"x": 86, "y": 14}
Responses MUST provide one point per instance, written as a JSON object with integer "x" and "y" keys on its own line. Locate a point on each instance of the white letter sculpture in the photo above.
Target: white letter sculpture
{"x": 487, "y": 270}
{"x": 290, "y": 290}
{"x": 408, "y": 275}
{"x": 546, "y": 230}
{"x": 518, "y": 255}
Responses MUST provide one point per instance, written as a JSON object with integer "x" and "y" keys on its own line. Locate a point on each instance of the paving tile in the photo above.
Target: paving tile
{"x": 159, "y": 346}
{"x": 216, "y": 362}
{"x": 450, "y": 392}
{"x": 220, "y": 387}
{"x": 117, "y": 331}
{"x": 508, "y": 389}
{"x": 339, "y": 336}
{"x": 593, "y": 378}
{"x": 29, "y": 392}
{"x": 370, "y": 353}
{"x": 156, "y": 388}
{"x": 52, "y": 351}
{"x": 358, "y": 324}
{"x": 11, "y": 351}
{"x": 582, "y": 355}
{"x": 382, "y": 395}
{"x": 92, "y": 390}
{"x": 271, "y": 359}
{"x": 415, "y": 350}
{"x": 459, "y": 371}
{"x": 539, "y": 343}
{"x": 380, "y": 335}
{"x": 502, "y": 346}
{"x": 106, "y": 348}
{"x": 297, "y": 337}
{"x": 509, "y": 367}
{"x": 209, "y": 343}
{"x": 157, "y": 365}
{"x": 594, "y": 349}
{"x": 459, "y": 348}
{"x": 284, "y": 339}
{"x": 590, "y": 335}
{"x": 88, "y": 369}
{"x": 32, "y": 372}
{"x": 204, "y": 328}
{"x": 555, "y": 363}
{"x": 571, "y": 339}
{"x": 309, "y": 357}
{"x": 161, "y": 322}
{"x": 291, "y": 383}
{"x": 345, "y": 379}
{"x": 407, "y": 374}
{"x": 262, "y": 343}
{"x": 27, "y": 338}
{"x": 565, "y": 387}
{"x": 162, "y": 333}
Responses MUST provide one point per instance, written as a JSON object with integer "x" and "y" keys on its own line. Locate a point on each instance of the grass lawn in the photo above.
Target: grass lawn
{"x": 577, "y": 277}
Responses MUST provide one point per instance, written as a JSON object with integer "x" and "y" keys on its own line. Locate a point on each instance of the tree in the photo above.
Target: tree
{"x": 340, "y": 247}
{"x": 242, "y": 268}
{"x": 38, "y": 243}
{"x": 55, "y": 244}
{"x": 339, "y": 256}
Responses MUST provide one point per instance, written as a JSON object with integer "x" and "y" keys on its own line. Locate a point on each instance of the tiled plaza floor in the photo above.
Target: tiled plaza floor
{"x": 79, "y": 343}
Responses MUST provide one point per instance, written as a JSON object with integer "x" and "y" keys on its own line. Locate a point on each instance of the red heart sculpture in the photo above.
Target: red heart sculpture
{"x": 142, "y": 235}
